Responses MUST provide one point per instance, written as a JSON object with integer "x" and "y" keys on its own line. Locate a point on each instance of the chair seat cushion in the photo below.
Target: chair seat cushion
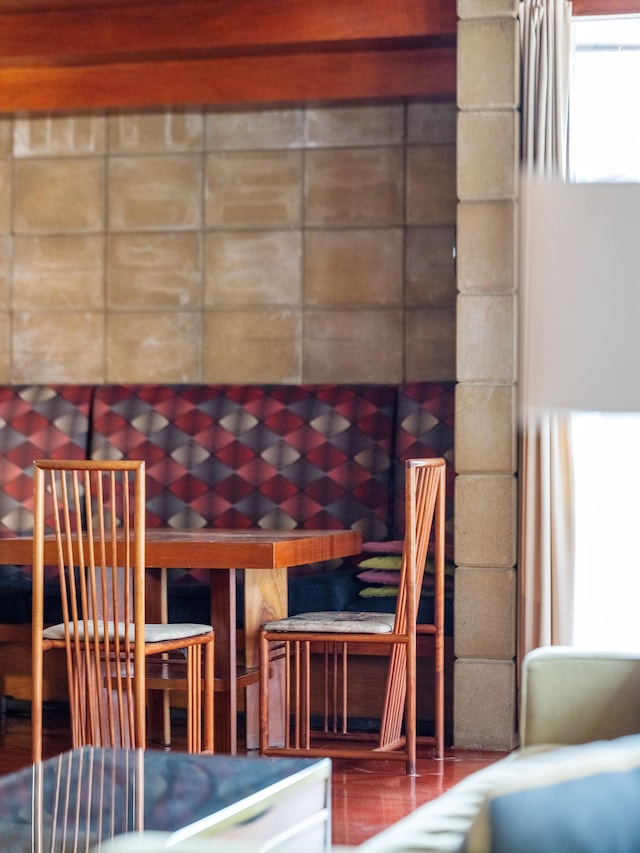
{"x": 332, "y": 622}
{"x": 154, "y": 633}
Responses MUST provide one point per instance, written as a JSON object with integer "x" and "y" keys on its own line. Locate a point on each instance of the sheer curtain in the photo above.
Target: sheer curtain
{"x": 546, "y": 559}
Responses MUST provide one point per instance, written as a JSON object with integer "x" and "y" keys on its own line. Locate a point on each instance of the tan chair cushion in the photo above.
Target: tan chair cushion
{"x": 338, "y": 622}
{"x": 154, "y": 633}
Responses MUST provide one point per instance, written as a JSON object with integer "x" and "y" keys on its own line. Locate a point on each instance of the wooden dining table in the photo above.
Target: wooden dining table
{"x": 264, "y": 556}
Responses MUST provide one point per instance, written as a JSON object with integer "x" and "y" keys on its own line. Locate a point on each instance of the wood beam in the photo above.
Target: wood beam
{"x": 84, "y": 54}
{"x": 90, "y": 33}
{"x": 233, "y": 82}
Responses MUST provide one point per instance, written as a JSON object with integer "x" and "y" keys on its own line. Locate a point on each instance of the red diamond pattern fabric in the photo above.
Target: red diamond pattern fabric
{"x": 270, "y": 456}
{"x": 37, "y": 421}
{"x": 275, "y": 457}
{"x": 424, "y": 429}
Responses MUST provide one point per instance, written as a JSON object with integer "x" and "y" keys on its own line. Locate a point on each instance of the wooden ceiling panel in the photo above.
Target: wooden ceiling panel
{"x": 231, "y": 82}
{"x": 94, "y": 33}
{"x": 78, "y": 54}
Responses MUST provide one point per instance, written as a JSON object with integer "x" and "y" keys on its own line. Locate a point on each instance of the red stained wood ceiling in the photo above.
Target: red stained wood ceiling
{"x": 58, "y": 55}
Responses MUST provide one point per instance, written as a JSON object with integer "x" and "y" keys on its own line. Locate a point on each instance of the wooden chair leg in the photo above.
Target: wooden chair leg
{"x": 209, "y": 697}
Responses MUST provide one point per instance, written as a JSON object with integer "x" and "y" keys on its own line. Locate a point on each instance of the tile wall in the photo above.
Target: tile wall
{"x": 289, "y": 245}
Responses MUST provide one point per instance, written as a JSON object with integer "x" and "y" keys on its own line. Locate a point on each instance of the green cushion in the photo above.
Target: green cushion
{"x": 390, "y": 563}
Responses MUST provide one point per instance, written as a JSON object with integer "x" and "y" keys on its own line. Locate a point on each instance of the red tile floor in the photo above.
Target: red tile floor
{"x": 367, "y": 796}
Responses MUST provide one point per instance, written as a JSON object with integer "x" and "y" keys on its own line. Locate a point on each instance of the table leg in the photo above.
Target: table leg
{"x": 223, "y": 619}
{"x": 265, "y": 598}
{"x": 158, "y": 701}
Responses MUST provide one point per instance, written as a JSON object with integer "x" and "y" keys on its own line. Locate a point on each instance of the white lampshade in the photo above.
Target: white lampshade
{"x": 580, "y": 297}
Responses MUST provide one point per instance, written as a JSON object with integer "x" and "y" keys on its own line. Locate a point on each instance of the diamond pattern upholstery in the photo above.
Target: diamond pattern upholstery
{"x": 232, "y": 456}
{"x": 424, "y": 429}
{"x": 37, "y": 421}
{"x": 275, "y": 457}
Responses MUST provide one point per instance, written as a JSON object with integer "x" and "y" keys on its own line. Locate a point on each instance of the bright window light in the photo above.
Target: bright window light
{"x": 604, "y": 134}
{"x": 604, "y": 123}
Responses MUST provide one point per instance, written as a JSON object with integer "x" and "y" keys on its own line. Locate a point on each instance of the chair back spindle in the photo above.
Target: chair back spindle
{"x": 99, "y": 530}
{"x": 425, "y": 516}
{"x": 286, "y": 647}
{"x": 96, "y": 510}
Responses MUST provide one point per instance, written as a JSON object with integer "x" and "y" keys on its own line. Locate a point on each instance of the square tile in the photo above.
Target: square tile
{"x": 64, "y": 135}
{"x": 6, "y": 137}
{"x": 486, "y": 329}
{"x": 154, "y": 192}
{"x": 482, "y": 84}
{"x": 431, "y": 185}
{"x": 5, "y": 271}
{"x": 59, "y": 194}
{"x": 154, "y": 347}
{"x": 353, "y": 346}
{"x": 485, "y": 704}
{"x": 486, "y": 520}
{"x": 354, "y": 186}
{"x": 332, "y": 127}
{"x": 353, "y": 267}
{"x": 485, "y": 613}
{"x": 5, "y": 196}
{"x": 5, "y": 347}
{"x": 250, "y": 268}
{"x": 253, "y": 346}
{"x": 488, "y": 161}
{"x": 163, "y": 270}
{"x": 487, "y": 239}
{"x": 432, "y": 123}
{"x": 71, "y": 265}
{"x": 430, "y": 266}
{"x": 485, "y": 428}
{"x": 430, "y": 343}
{"x": 254, "y": 189}
{"x": 145, "y": 133}
{"x": 255, "y": 129}
{"x": 58, "y": 347}
{"x": 487, "y": 8}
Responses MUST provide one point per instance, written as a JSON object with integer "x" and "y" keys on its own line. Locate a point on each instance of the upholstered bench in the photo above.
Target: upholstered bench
{"x": 235, "y": 456}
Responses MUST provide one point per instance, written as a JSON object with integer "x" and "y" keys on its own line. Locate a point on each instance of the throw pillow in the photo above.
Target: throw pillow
{"x": 582, "y": 799}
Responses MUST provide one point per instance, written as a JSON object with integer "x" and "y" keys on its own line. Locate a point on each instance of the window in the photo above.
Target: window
{"x": 604, "y": 145}
{"x": 604, "y": 122}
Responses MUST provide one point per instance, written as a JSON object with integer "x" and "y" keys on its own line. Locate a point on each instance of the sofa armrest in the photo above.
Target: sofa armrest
{"x": 572, "y": 696}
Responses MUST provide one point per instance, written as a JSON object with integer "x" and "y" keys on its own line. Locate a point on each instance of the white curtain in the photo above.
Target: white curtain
{"x": 546, "y": 559}
{"x": 545, "y": 27}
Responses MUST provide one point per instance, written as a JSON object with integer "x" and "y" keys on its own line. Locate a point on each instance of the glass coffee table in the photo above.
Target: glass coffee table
{"x": 84, "y": 798}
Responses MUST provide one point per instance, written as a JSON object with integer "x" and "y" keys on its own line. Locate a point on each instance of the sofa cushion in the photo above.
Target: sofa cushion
{"x": 579, "y": 798}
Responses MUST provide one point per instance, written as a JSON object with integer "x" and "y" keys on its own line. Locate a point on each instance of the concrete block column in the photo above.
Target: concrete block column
{"x": 486, "y": 427}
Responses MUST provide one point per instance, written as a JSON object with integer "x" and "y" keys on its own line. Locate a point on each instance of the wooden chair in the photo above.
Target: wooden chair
{"x": 289, "y": 643}
{"x": 97, "y": 513}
